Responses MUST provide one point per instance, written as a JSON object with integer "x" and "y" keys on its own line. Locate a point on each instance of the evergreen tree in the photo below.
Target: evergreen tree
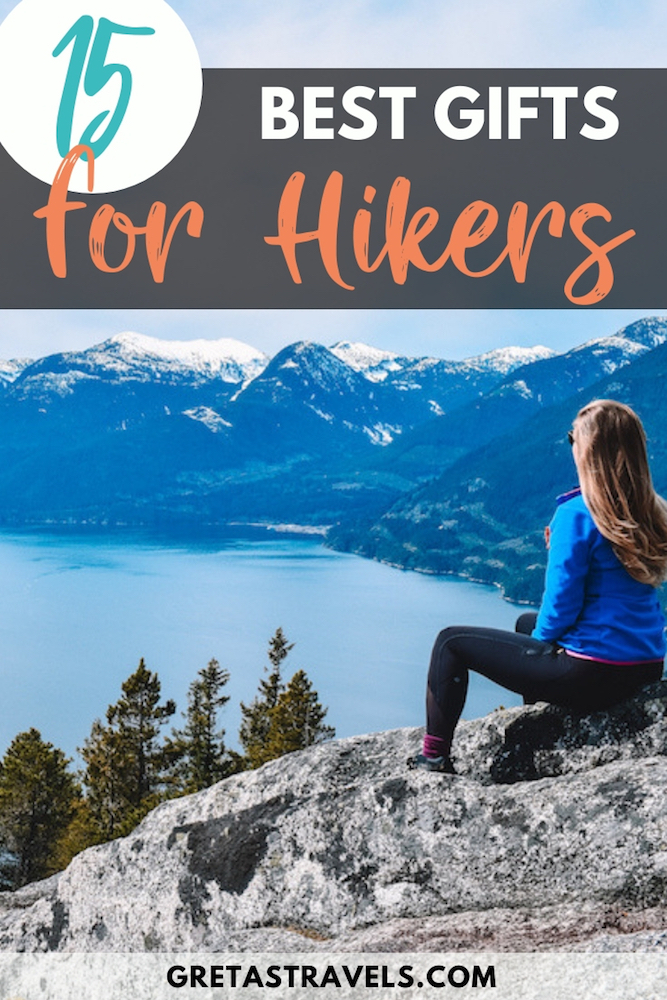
{"x": 105, "y": 778}
{"x": 126, "y": 762}
{"x": 297, "y": 721}
{"x": 282, "y": 718}
{"x": 256, "y": 717}
{"x": 38, "y": 796}
{"x": 198, "y": 750}
{"x": 81, "y": 832}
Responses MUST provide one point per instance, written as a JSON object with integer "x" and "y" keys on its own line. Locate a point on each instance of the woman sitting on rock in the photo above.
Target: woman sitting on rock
{"x": 599, "y": 634}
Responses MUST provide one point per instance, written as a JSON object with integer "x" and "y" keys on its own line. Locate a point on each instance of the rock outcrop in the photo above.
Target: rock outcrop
{"x": 553, "y": 834}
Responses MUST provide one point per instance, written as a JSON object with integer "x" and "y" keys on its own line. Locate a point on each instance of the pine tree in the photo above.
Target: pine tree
{"x": 38, "y": 796}
{"x": 282, "y": 718}
{"x": 256, "y": 717}
{"x": 126, "y": 762}
{"x": 198, "y": 750}
{"x": 105, "y": 778}
{"x": 297, "y": 721}
{"x": 138, "y": 718}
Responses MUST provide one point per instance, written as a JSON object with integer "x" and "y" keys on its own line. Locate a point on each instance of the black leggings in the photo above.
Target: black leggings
{"x": 537, "y": 670}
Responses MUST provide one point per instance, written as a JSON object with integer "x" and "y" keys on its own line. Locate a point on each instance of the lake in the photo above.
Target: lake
{"x": 79, "y": 612}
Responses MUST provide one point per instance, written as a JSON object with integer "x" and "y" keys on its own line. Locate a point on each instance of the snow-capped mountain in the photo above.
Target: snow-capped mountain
{"x": 318, "y": 401}
{"x": 649, "y": 331}
{"x": 373, "y": 363}
{"x": 507, "y": 359}
{"x": 133, "y": 356}
{"x": 307, "y": 368}
{"x": 377, "y": 365}
{"x": 137, "y": 358}
{"x": 427, "y": 447}
{"x": 10, "y": 370}
{"x": 371, "y": 392}
{"x": 551, "y": 379}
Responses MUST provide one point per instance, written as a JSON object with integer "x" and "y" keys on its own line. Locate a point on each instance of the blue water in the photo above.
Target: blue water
{"x": 76, "y": 614}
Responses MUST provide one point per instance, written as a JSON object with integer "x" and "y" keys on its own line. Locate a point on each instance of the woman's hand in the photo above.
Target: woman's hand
{"x": 547, "y": 537}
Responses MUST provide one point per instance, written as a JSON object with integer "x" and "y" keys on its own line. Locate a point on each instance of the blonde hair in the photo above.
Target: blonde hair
{"x": 616, "y": 484}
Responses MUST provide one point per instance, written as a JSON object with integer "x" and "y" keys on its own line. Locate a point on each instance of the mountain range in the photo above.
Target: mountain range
{"x": 443, "y": 466}
{"x": 142, "y": 431}
{"x": 504, "y": 461}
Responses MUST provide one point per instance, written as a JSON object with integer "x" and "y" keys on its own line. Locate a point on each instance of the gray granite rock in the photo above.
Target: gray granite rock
{"x": 552, "y": 834}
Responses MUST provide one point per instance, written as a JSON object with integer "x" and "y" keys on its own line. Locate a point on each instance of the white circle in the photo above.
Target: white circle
{"x": 164, "y": 101}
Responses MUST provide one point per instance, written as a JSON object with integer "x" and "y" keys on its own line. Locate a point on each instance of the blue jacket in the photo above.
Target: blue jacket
{"x": 591, "y": 604}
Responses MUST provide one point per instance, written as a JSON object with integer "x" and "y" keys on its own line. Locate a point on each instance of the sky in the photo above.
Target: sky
{"x": 393, "y": 33}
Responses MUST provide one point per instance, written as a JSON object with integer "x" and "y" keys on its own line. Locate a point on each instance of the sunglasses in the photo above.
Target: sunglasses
{"x": 570, "y": 437}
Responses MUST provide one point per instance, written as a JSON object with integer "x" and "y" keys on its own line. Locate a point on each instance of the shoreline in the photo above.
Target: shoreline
{"x": 176, "y": 534}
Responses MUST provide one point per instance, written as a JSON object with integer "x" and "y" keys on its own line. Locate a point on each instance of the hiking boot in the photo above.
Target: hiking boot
{"x": 442, "y": 765}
